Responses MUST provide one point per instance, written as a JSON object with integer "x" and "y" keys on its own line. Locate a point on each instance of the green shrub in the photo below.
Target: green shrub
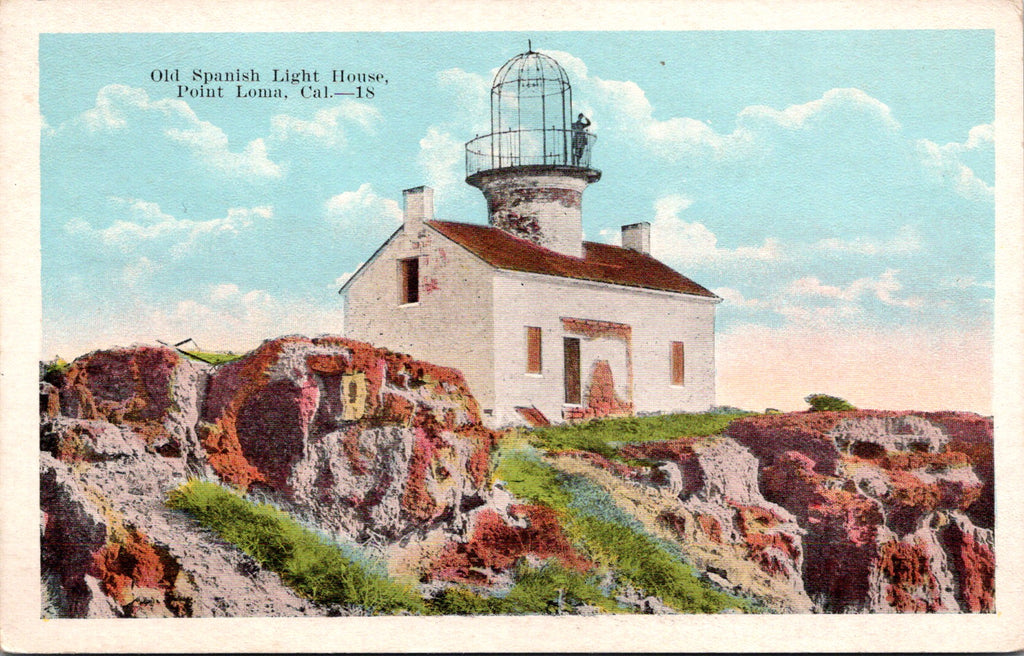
{"x": 825, "y": 403}
{"x": 311, "y": 565}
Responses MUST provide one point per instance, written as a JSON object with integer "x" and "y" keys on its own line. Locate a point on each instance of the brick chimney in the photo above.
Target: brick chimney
{"x": 419, "y": 207}
{"x": 637, "y": 237}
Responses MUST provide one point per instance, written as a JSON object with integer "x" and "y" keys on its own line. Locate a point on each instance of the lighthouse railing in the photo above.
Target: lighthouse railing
{"x": 540, "y": 147}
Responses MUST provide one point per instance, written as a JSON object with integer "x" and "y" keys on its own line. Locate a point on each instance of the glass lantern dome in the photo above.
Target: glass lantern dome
{"x": 531, "y": 119}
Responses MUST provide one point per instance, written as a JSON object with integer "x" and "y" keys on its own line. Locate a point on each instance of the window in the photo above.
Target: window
{"x": 678, "y": 363}
{"x": 533, "y": 352}
{"x": 409, "y": 280}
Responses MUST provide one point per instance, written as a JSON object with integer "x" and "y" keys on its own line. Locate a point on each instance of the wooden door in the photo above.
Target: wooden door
{"x": 572, "y": 369}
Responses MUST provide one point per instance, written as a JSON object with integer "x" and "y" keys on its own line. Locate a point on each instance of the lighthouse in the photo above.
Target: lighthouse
{"x": 544, "y": 326}
{"x": 536, "y": 162}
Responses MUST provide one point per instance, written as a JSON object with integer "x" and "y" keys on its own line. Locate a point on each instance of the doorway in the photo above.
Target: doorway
{"x": 571, "y": 347}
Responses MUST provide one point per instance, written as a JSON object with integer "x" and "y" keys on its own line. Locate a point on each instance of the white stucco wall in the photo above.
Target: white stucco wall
{"x": 451, "y": 325}
{"x": 656, "y": 319}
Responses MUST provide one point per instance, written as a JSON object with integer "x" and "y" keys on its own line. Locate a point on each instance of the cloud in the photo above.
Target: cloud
{"x": 946, "y": 163}
{"x": 340, "y": 281}
{"x": 685, "y": 243}
{"x": 120, "y": 108}
{"x": 441, "y": 157}
{"x": 148, "y": 225}
{"x": 906, "y": 240}
{"x": 363, "y": 212}
{"x": 137, "y": 270}
{"x": 891, "y": 368}
{"x": 328, "y": 126}
{"x": 883, "y": 288}
{"x": 845, "y": 129}
{"x": 735, "y": 298}
{"x": 850, "y": 102}
{"x": 223, "y": 291}
{"x": 470, "y": 99}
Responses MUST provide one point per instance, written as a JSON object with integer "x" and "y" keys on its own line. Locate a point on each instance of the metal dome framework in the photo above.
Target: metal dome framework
{"x": 531, "y": 119}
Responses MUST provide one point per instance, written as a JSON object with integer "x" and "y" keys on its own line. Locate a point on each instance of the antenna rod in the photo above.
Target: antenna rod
{"x": 529, "y": 45}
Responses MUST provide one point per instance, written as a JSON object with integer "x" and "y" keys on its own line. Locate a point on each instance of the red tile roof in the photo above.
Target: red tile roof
{"x": 600, "y": 262}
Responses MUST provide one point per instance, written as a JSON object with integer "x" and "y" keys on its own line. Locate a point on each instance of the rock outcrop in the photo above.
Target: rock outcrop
{"x": 857, "y": 511}
{"x": 365, "y": 444}
{"x": 889, "y": 502}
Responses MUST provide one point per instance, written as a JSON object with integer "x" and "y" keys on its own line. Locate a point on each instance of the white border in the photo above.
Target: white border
{"x": 21, "y": 21}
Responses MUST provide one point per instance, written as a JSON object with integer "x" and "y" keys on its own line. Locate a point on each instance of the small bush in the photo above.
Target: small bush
{"x": 826, "y": 403}
{"x": 312, "y": 566}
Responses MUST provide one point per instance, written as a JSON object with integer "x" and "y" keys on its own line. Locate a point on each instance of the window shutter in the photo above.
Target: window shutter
{"x": 678, "y": 363}
{"x": 533, "y": 350}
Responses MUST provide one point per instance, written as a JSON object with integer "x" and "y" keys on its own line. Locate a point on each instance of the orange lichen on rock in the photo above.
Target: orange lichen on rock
{"x": 133, "y": 563}
{"x": 975, "y": 568}
{"x": 130, "y": 386}
{"x": 711, "y": 527}
{"x": 911, "y": 585}
{"x": 495, "y": 546}
{"x": 417, "y": 500}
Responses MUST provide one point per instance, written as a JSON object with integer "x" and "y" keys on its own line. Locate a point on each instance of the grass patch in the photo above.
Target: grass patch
{"x": 603, "y": 436}
{"x": 212, "y": 357}
{"x": 315, "y": 568}
{"x": 547, "y": 590}
{"x": 609, "y": 536}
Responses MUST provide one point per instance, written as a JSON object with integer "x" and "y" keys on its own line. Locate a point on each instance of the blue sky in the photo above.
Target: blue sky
{"x": 835, "y": 188}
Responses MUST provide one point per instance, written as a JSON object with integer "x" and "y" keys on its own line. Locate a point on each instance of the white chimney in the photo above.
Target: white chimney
{"x": 419, "y": 207}
{"x": 637, "y": 237}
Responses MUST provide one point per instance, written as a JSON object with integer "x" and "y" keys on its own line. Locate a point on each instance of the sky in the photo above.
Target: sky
{"x": 835, "y": 188}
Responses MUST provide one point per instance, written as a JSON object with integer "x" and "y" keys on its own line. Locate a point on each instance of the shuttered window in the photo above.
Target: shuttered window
{"x": 533, "y": 350}
{"x": 409, "y": 280}
{"x": 678, "y": 363}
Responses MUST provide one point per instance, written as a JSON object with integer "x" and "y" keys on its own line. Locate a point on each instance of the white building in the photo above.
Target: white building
{"x": 543, "y": 325}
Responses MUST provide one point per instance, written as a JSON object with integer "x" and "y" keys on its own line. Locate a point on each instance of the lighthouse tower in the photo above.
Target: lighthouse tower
{"x": 534, "y": 165}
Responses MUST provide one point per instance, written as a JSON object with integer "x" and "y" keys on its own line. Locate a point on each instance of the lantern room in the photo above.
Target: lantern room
{"x": 534, "y": 165}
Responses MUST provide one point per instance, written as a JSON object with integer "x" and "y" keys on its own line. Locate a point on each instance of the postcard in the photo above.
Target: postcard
{"x": 552, "y": 327}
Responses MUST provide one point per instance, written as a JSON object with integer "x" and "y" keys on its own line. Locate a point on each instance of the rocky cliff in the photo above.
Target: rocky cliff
{"x": 366, "y": 445}
{"x": 859, "y": 511}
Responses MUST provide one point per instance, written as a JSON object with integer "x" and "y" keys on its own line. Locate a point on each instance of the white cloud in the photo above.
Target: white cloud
{"x": 906, "y": 240}
{"x": 470, "y": 94}
{"x": 137, "y": 270}
{"x": 343, "y": 278}
{"x": 363, "y": 212}
{"x": 223, "y": 291}
{"x": 686, "y": 244}
{"x": 441, "y": 157}
{"x": 801, "y": 116}
{"x": 119, "y": 107}
{"x": 735, "y": 298}
{"x": 945, "y": 162}
{"x": 149, "y": 224}
{"x": 327, "y": 127}
{"x": 883, "y": 288}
